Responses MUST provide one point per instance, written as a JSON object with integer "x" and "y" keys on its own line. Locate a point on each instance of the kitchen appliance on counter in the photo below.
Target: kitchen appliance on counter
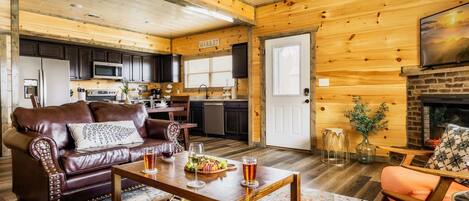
{"x": 101, "y": 95}
{"x": 48, "y": 79}
{"x": 214, "y": 120}
{"x": 105, "y": 70}
{"x": 156, "y": 93}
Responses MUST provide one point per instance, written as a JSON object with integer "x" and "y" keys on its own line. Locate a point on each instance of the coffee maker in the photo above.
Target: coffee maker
{"x": 156, "y": 93}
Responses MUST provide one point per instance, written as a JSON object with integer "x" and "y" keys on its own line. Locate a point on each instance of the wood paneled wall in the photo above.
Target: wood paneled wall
{"x": 360, "y": 47}
{"x": 188, "y": 47}
{"x": 5, "y": 19}
{"x": 64, "y": 29}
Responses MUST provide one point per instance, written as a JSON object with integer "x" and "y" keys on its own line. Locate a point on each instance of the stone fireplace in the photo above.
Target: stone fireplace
{"x": 434, "y": 99}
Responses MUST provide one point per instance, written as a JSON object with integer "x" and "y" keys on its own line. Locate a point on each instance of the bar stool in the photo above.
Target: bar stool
{"x": 335, "y": 147}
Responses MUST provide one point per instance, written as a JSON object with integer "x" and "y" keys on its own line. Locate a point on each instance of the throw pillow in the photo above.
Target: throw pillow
{"x": 452, "y": 154}
{"x": 93, "y": 135}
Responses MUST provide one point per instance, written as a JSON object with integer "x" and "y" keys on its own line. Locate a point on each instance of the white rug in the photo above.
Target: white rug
{"x": 152, "y": 194}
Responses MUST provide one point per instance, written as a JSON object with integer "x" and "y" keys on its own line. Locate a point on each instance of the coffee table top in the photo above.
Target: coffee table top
{"x": 172, "y": 178}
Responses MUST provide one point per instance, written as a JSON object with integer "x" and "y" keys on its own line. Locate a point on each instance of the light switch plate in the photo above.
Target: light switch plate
{"x": 324, "y": 82}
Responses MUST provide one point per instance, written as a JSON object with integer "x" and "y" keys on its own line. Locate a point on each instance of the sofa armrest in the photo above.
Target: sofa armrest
{"x": 42, "y": 149}
{"x": 165, "y": 130}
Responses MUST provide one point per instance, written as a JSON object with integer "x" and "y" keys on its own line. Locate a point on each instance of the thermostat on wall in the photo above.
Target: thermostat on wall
{"x": 324, "y": 82}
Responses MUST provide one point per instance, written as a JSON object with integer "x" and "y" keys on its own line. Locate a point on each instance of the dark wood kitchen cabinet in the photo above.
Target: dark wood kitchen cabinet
{"x": 168, "y": 68}
{"x": 127, "y": 67}
{"x": 136, "y": 68}
{"x": 99, "y": 55}
{"x": 148, "y": 66}
{"x": 51, "y": 50}
{"x": 240, "y": 60}
{"x": 197, "y": 116}
{"x": 71, "y": 54}
{"x": 236, "y": 120}
{"x": 29, "y": 48}
{"x": 86, "y": 63}
{"x": 114, "y": 57}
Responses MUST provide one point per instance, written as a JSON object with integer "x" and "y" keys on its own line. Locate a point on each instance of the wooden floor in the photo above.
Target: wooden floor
{"x": 355, "y": 179}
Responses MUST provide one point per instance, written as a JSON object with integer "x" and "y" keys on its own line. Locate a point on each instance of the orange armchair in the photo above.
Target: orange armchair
{"x": 411, "y": 183}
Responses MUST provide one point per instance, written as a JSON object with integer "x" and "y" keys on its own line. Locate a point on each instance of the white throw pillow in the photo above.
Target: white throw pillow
{"x": 92, "y": 135}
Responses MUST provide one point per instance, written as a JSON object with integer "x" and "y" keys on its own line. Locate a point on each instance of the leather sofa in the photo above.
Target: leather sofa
{"x": 46, "y": 166}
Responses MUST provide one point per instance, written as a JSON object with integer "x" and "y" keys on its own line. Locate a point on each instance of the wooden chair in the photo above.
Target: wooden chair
{"x": 183, "y": 116}
{"x": 439, "y": 192}
{"x": 35, "y": 101}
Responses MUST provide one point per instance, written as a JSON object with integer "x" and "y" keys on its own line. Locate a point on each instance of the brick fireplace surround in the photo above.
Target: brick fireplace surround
{"x": 430, "y": 82}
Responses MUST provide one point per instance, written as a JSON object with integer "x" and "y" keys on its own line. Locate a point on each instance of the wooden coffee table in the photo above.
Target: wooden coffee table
{"x": 221, "y": 186}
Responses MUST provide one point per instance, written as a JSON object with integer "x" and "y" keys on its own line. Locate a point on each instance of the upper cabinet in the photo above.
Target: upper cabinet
{"x": 168, "y": 68}
{"x": 137, "y": 67}
{"x": 29, "y": 48}
{"x": 240, "y": 60}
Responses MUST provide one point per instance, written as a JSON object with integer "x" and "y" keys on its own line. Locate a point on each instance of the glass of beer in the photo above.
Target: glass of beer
{"x": 149, "y": 160}
{"x": 249, "y": 172}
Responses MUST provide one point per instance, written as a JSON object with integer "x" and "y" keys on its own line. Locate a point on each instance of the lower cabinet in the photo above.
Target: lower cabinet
{"x": 236, "y": 120}
{"x": 197, "y": 116}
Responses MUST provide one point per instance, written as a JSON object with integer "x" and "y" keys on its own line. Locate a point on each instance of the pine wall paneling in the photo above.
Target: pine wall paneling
{"x": 360, "y": 47}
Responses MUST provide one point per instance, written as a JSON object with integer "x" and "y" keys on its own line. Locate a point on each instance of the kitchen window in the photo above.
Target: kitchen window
{"x": 212, "y": 71}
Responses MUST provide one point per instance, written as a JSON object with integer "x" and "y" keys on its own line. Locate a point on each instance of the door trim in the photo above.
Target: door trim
{"x": 312, "y": 95}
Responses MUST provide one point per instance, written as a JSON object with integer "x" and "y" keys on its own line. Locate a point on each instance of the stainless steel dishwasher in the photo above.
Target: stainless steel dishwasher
{"x": 214, "y": 118}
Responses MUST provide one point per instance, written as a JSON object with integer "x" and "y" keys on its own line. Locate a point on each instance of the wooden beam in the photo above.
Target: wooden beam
{"x": 33, "y": 24}
{"x": 237, "y": 9}
{"x": 5, "y": 16}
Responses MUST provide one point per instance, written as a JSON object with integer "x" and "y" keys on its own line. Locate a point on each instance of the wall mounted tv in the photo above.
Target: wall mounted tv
{"x": 444, "y": 38}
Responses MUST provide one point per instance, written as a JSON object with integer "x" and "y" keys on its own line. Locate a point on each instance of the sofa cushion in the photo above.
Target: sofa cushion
{"x": 77, "y": 162}
{"x": 452, "y": 153}
{"x": 136, "y": 150}
{"x": 52, "y": 121}
{"x": 92, "y": 135}
{"x": 137, "y": 113}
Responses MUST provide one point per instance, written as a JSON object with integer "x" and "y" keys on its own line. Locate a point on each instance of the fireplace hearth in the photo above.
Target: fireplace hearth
{"x": 439, "y": 110}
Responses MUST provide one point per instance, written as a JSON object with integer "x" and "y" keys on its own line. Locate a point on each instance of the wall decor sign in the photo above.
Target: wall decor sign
{"x": 209, "y": 43}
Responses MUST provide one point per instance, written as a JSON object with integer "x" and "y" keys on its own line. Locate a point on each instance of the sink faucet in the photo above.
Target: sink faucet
{"x": 206, "y": 90}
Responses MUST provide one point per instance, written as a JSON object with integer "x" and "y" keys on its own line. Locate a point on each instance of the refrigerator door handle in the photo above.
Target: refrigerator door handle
{"x": 40, "y": 86}
{"x": 44, "y": 88}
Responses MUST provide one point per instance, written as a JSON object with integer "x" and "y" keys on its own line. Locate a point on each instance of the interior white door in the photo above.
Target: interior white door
{"x": 287, "y": 65}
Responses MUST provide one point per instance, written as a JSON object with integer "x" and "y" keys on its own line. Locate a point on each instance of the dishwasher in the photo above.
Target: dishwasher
{"x": 214, "y": 118}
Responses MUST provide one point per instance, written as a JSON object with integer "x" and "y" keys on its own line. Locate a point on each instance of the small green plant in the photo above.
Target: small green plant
{"x": 125, "y": 87}
{"x": 362, "y": 122}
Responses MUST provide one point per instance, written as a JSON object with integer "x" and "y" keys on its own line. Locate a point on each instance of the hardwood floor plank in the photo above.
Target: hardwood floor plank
{"x": 355, "y": 179}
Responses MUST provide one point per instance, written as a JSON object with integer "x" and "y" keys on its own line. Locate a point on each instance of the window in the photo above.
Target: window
{"x": 286, "y": 70}
{"x": 213, "y": 72}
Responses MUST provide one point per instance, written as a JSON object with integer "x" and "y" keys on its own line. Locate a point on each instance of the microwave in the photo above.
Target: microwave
{"x": 105, "y": 70}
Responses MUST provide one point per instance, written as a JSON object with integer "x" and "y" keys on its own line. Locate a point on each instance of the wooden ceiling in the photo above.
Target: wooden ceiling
{"x": 156, "y": 17}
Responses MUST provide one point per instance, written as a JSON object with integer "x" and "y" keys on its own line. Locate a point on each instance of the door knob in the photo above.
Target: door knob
{"x": 307, "y": 101}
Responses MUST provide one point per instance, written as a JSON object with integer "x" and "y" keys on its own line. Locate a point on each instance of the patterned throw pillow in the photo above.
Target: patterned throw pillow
{"x": 93, "y": 135}
{"x": 453, "y": 152}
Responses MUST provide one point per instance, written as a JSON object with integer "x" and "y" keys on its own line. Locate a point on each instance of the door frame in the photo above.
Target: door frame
{"x": 312, "y": 86}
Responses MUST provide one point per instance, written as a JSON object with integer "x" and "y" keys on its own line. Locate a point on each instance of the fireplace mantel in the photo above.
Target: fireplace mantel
{"x": 417, "y": 70}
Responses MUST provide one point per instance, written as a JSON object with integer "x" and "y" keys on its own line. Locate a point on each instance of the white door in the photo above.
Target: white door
{"x": 287, "y": 83}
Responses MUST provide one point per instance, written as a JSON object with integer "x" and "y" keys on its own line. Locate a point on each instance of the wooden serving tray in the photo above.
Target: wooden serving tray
{"x": 229, "y": 167}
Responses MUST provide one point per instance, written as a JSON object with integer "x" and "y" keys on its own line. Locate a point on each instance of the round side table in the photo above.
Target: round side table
{"x": 335, "y": 145}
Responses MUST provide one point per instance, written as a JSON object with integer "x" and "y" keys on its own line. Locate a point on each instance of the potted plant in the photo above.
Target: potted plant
{"x": 125, "y": 91}
{"x": 366, "y": 125}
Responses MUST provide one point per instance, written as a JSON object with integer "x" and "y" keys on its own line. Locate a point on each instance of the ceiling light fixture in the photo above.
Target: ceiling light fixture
{"x": 209, "y": 13}
{"x": 93, "y": 15}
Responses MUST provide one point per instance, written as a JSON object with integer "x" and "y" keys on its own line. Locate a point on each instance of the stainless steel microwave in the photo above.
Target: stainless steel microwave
{"x": 104, "y": 70}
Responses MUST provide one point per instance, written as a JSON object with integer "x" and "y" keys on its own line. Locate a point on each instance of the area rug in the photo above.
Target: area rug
{"x": 152, "y": 194}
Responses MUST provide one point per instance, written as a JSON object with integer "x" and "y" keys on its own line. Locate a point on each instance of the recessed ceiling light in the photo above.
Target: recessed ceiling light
{"x": 93, "y": 15}
{"x": 146, "y": 21}
{"x": 74, "y": 5}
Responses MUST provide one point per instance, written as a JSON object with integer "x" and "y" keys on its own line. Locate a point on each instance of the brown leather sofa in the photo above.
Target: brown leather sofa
{"x": 47, "y": 167}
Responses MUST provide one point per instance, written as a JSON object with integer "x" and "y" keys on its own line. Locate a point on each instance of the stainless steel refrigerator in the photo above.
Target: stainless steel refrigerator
{"x": 48, "y": 79}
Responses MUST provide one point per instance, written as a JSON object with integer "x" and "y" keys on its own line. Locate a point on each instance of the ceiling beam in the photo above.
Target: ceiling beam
{"x": 236, "y": 9}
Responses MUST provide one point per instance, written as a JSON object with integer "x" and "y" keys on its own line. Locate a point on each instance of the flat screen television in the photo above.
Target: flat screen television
{"x": 444, "y": 38}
